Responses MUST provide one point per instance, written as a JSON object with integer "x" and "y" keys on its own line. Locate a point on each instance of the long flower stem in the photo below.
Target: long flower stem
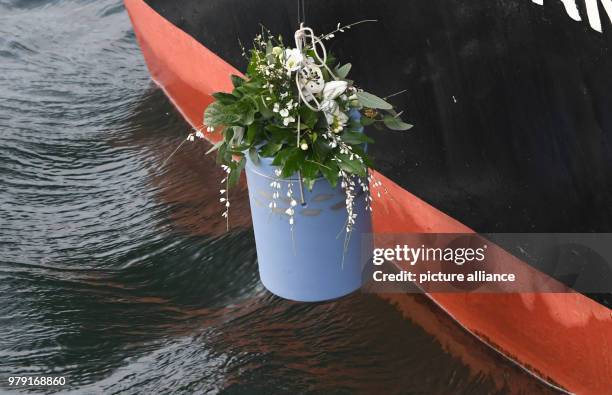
{"x": 341, "y": 28}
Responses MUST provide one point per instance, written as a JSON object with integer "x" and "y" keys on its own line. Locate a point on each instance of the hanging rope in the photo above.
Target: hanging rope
{"x": 301, "y": 12}
{"x": 306, "y": 39}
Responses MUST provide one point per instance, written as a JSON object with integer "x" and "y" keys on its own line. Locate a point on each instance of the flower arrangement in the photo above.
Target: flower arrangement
{"x": 297, "y": 107}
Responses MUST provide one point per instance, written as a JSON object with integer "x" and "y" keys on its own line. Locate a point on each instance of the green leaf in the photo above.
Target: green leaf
{"x": 217, "y": 114}
{"x": 356, "y": 138}
{"x": 365, "y": 121}
{"x": 294, "y": 162}
{"x": 245, "y": 109}
{"x": 253, "y": 155}
{"x": 321, "y": 150}
{"x": 265, "y": 112}
{"x": 253, "y": 131}
{"x": 352, "y": 166}
{"x": 251, "y": 87}
{"x": 215, "y": 147}
{"x": 224, "y": 98}
{"x": 249, "y": 117}
{"x": 308, "y": 117}
{"x": 281, "y": 156}
{"x": 343, "y": 71}
{"x": 330, "y": 172}
{"x": 237, "y": 168}
{"x": 251, "y": 68}
{"x": 331, "y": 59}
{"x": 310, "y": 169}
{"x": 223, "y": 155}
{"x": 270, "y": 149}
{"x": 237, "y": 137}
{"x": 237, "y": 81}
{"x": 309, "y": 182}
{"x": 395, "y": 123}
{"x": 372, "y": 101}
{"x": 279, "y": 134}
{"x": 361, "y": 152}
{"x": 239, "y": 149}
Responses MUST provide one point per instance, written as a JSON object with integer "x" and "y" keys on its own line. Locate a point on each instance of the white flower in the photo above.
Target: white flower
{"x": 277, "y": 51}
{"x": 199, "y": 135}
{"x": 341, "y": 117}
{"x": 329, "y": 106}
{"x": 311, "y": 79}
{"x": 284, "y": 113}
{"x": 304, "y": 146}
{"x": 293, "y": 59}
{"x": 276, "y": 108}
{"x": 336, "y": 119}
{"x": 288, "y": 120}
{"x": 334, "y": 116}
{"x": 333, "y": 89}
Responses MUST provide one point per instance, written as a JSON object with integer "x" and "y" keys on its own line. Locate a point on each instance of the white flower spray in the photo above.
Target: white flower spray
{"x": 276, "y": 187}
{"x": 291, "y": 213}
{"x": 224, "y": 199}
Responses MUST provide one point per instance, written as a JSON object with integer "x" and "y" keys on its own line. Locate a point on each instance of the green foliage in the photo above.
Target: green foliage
{"x": 372, "y": 101}
{"x": 260, "y": 118}
{"x": 342, "y": 72}
{"x": 395, "y": 123}
{"x": 237, "y": 81}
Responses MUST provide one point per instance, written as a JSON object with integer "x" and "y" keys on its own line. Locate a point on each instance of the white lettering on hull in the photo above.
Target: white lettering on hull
{"x": 592, "y": 10}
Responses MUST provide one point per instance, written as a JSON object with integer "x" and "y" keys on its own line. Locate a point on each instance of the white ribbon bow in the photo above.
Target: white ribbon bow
{"x": 305, "y": 38}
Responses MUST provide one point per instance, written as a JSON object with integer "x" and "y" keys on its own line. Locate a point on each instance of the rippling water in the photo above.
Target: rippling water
{"x": 117, "y": 273}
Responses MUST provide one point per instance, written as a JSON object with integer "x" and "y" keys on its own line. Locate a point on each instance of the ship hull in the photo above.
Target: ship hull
{"x": 561, "y": 338}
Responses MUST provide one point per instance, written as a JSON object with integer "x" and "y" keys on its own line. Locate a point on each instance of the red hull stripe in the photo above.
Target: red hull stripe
{"x": 565, "y": 338}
